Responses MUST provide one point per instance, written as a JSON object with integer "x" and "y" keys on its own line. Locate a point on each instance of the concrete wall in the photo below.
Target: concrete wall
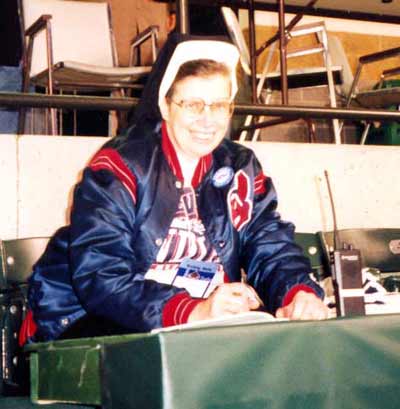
{"x": 363, "y": 183}
{"x": 37, "y": 175}
{"x": 49, "y": 167}
{"x": 8, "y": 186}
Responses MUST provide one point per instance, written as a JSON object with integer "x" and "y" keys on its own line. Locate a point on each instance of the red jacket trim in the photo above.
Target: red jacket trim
{"x": 202, "y": 168}
{"x": 27, "y": 330}
{"x": 293, "y": 291}
{"x": 109, "y": 159}
{"x": 169, "y": 152}
{"x": 177, "y": 309}
{"x": 259, "y": 183}
{"x": 203, "y": 165}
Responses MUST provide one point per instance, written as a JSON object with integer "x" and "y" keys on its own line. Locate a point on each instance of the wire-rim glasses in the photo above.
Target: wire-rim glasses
{"x": 196, "y": 106}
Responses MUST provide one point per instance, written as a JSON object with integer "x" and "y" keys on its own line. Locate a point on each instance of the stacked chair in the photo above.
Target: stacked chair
{"x": 269, "y": 80}
{"x": 380, "y": 96}
{"x": 70, "y": 47}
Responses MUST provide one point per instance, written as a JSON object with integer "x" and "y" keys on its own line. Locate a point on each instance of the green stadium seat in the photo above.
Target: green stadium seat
{"x": 16, "y": 260}
{"x": 312, "y": 247}
{"x": 380, "y": 250}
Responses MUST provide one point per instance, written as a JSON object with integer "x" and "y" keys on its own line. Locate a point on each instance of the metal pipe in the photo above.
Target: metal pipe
{"x": 85, "y": 103}
{"x": 182, "y": 12}
{"x": 317, "y": 112}
{"x": 282, "y": 53}
{"x": 263, "y": 124}
{"x": 380, "y": 55}
{"x": 295, "y": 20}
{"x": 17, "y": 100}
{"x": 253, "y": 56}
{"x": 50, "y": 79}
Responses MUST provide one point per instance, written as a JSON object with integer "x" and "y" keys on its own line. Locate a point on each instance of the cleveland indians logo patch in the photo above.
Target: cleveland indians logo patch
{"x": 239, "y": 203}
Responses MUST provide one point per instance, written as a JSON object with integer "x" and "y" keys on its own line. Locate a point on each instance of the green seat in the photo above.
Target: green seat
{"x": 16, "y": 260}
{"x": 311, "y": 245}
{"x": 380, "y": 248}
{"x": 380, "y": 251}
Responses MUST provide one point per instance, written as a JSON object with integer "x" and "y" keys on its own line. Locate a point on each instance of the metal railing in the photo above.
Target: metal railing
{"x": 93, "y": 103}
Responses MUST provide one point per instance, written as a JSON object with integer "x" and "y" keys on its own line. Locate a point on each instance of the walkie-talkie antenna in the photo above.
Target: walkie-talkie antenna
{"x": 336, "y": 241}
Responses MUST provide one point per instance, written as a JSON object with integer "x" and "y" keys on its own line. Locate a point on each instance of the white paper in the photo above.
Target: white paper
{"x": 250, "y": 317}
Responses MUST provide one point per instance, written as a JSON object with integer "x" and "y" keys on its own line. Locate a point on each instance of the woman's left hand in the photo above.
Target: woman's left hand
{"x": 305, "y": 306}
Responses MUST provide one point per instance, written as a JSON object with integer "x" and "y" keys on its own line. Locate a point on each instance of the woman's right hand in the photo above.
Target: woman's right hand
{"x": 227, "y": 299}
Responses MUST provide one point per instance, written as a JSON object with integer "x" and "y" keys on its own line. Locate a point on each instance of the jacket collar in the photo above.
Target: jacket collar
{"x": 203, "y": 165}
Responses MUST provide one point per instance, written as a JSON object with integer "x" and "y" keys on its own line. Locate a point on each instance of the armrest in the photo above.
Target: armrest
{"x": 39, "y": 25}
{"x": 144, "y": 35}
{"x": 150, "y": 32}
{"x": 381, "y": 55}
{"x": 370, "y": 58}
{"x": 390, "y": 73}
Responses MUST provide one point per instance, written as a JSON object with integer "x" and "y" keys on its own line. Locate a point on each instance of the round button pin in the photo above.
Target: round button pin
{"x": 222, "y": 176}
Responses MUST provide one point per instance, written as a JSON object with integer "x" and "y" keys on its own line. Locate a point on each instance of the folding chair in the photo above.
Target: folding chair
{"x": 380, "y": 96}
{"x": 71, "y": 48}
{"x": 268, "y": 80}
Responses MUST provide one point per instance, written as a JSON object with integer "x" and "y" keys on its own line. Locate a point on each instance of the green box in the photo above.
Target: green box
{"x": 69, "y": 370}
{"x": 341, "y": 363}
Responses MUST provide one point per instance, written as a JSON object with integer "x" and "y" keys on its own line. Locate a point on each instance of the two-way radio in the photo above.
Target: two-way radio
{"x": 346, "y": 271}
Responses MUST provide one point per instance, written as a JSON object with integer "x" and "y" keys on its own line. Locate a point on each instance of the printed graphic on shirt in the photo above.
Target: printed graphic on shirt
{"x": 240, "y": 204}
{"x": 186, "y": 239}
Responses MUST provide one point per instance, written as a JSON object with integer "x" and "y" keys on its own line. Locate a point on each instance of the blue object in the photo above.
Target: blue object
{"x": 10, "y": 81}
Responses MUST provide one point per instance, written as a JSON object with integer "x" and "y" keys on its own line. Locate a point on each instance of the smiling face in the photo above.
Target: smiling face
{"x": 196, "y": 135}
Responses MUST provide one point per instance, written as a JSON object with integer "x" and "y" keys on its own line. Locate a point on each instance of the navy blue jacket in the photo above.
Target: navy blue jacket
{"x": 122, "y": 210}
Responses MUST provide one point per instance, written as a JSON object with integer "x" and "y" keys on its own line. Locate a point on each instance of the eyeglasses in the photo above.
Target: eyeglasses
{"x": 196, "y": 106}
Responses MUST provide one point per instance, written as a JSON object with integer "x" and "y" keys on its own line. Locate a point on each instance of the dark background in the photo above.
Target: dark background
{"x": 10, "y": 33}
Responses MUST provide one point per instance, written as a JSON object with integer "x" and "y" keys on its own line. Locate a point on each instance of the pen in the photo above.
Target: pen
{"x": 252, "y": 294}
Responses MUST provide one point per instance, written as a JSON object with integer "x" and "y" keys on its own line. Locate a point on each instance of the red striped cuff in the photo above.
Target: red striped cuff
{"x": 28, "y": 329}
{"x": 293, "y": 291}
{"x": 178, "y": 308}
